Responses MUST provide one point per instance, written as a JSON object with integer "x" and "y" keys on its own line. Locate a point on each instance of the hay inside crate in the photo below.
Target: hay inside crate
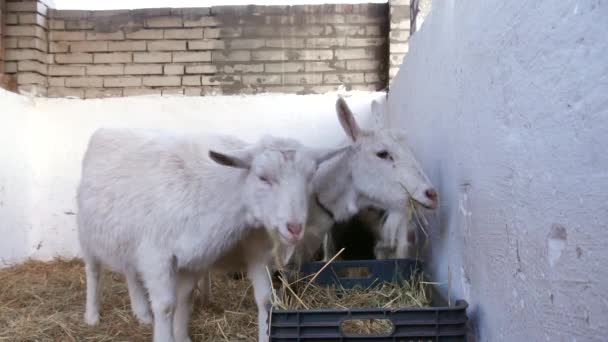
{"x": 304, "y": 293}
{"x": 45, "y": 302}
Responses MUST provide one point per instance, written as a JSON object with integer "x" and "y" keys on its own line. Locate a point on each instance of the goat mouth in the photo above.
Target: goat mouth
{"x": 425, "y": 205}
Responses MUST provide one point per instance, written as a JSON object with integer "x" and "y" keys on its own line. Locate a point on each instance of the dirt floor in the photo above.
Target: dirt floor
{"x": 45, "y": 302}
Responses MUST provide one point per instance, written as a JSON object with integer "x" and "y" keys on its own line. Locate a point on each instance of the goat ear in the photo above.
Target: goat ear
{"x": 379, "y": 114}
{"x": 347, "y": 120}
{"x": 321, "y": 155}
{"x": 236, "y": 160}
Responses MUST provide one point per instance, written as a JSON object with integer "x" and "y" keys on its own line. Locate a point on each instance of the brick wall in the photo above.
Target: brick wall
{"x": 399, "y": 34}
{"x": 199, "y": 51}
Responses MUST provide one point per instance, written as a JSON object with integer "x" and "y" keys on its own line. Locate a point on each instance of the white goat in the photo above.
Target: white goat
{"x": 378, "y": 169}
{"x": 163, "y": 208}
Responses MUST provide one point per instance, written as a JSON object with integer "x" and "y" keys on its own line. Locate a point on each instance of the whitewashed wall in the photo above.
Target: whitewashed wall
{"x": 42, "y": 142}
{"x": 506, "y": 104}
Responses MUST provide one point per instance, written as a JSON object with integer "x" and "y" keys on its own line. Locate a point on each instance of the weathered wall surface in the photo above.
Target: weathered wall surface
{"x": 42, "y": 142}
{"x": 507, "y": 109}
{"x": 203, "y": 51}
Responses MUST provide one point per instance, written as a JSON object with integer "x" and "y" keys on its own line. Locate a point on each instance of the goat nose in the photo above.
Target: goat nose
{"x": 431, "y": 194}
{"x": 294, "y": 228}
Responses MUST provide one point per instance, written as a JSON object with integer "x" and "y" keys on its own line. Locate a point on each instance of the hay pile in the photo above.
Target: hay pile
{"x": 45, "y": 302}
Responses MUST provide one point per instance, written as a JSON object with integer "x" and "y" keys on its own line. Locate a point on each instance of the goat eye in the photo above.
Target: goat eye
{"x": 384, "y": 155}
{"x": 265, "y": 180}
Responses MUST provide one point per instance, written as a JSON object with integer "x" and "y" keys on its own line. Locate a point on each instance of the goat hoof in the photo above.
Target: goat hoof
{"x": 91, "y": 319}
{"x": 145, "y": 318}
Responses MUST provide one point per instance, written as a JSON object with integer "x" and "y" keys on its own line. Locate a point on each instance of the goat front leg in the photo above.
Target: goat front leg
{"x": 185, "y": 285}
{"x": 261, "y": 290}
{"x": 160, "y": 280}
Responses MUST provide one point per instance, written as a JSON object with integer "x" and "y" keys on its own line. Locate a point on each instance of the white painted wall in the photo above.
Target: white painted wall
{"x": 506, "y": 104}
{"x": 42, "y": 142}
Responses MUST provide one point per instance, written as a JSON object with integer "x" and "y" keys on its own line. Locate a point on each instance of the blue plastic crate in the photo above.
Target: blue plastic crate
{"x": 437, "y": 324}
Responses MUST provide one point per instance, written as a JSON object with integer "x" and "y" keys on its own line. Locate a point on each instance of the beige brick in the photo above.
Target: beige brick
{"x": 125, "y": 81}
{"x": 105, "y": 69}
{"x": 38, "y": 67}
{"x": 78, "y": 24}
{"x": 229, "y": 69}
{"x": 90, "y": 46}
{"x": 315, "y": 55}
{"x": 38, "y": 90}
{"x": 118, "y": 35}
{"x": 112, "y": 57}
{"x": 246, "y": 43}
{"x": 324, "y": 66}
{"x": 152, "y": 57}
{"x": 55, "y": 47}
{"x": 284, "y": 67}
{"x": 262, "y": 79}
{"x": 191, "y": 80}
{"x": 191, "y": 33}
{"x": 127, "y": 46}
{"x": 372, "y": 78}
{"x": 144, "y": 69}
{"x": 202, "y": 56}
{"x": 66, "y": 35}
{"x": 347, "y": 30}
{"x": 220, "y": 80}
{"x": 65, "y": 92}
{"x": 326, "y": 42}
{"x": 400, "y": 2}
{"x": 204, "y": 21}
{"x": 364, "y": 19}
{"x": 32, "y": 43}
{"x": 23, "y": 54}
{"x": 69, "y": 58}
{"x": 201, "y": 69}
{"x": 11, "y": 43}
{"x": 223, "y": 32}
{"x": 396, "y": 58}
{"x": 31, "y": 78}
{"x": 231, "y": 56}
{"x": 145, "y": 34}
{"x": 172, "y": 91}
{"x": 364, "y": 42}
{"x": 167, "y": 45}
{"x": 25, "y": 31}
{"x": 303, "y": 79}
{"x": 290, "y": 43}
{"x": 140, "y": 91}
{"x": 400, "y": 35}
{"x": 399, "y": 47}
{"x": 10, "y": 67}
{"x": 34, "y": 19}
{"x": 56, "y": 24}
{"x": 343, "y": 78}
{"x": 207, "y": 44}
{"x": 102, "y": 92}
{"x": 11, "y": 19}
{"x": 173, "y": 69}
{"x": 269, "y": 55}
{"x": 56, "y": 81}
{"x": 26, "y": 6}
{"x": 401, "y": 25}
{"x": 83, "y": 82}
{"x": 162, "y": 81}
{"x": 365, "y": 64}
{"x": 192, "y": 91}
{"x": 66, "y": 70}
{"x": 164, "y": 22}
{"x": 359, "y": 53}
{"x": 324, "y": 19}
{"x": 374, "y": 30}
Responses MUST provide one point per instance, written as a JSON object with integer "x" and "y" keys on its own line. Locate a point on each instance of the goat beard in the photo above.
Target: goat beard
{"x": 281, "y": 253}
